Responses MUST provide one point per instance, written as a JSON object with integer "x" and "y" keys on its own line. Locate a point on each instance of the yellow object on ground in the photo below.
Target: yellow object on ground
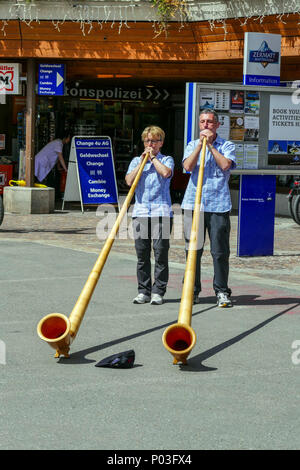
{"x": 23, "y": 183}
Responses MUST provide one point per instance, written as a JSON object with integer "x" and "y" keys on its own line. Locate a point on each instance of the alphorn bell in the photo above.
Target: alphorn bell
{"x": 58, "y": 330}
{"x": 180, "y": 338}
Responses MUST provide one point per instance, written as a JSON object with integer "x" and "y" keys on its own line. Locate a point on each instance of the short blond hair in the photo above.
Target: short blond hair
{"x": 155, "y": 131}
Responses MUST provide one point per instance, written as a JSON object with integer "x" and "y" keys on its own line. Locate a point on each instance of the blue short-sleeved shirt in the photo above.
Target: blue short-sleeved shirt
{"x": 215, "y": 189}
{"x": 46, "y": 158}
{"x": 152, "y": 194}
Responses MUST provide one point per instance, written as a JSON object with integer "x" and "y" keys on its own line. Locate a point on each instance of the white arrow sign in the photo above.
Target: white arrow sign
{"x": 166, "y": 94}
{"x": 59, "y": 79}
{"x": 158, "y": 93}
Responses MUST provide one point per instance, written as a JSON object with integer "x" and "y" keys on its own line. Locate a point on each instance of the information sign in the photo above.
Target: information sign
{"x": 262, "y": 59}
{"x": 51, "y": 79}
{"x": 91, "y": 173}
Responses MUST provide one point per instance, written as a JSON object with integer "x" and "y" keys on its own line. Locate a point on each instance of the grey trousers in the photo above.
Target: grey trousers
{"x": 217, "y": 225}
{"x": 156, "y": 231}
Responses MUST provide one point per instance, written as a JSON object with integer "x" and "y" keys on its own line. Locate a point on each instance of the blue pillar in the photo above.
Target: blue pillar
{"x": 256, "y": 218}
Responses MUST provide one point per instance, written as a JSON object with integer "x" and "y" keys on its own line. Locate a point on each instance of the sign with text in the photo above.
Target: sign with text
{"x": 51, "y": 79}
{"x": 284, "y": 131}
{"x": 119, "y": 93}
{"x": 262, "y": 52}
{"x": 91, "y": 172}
{"x": 96, "y": 170}
{"x": 256, "y": 212}
{"x": 10, "y": 79}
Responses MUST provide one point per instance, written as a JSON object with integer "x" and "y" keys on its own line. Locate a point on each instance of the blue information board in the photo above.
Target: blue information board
{"x": 96, "y": 170}
{"x": 256, "y": 215}
{"x": 51, "y": 79}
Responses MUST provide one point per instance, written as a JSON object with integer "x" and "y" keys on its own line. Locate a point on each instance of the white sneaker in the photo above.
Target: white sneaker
{"x": 223, "y": 300}
{"x": 141, "y": 299}
{"x": 156, "y": 299}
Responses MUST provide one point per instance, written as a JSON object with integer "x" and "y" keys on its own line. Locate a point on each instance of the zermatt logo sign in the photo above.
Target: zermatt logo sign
{"x": 262, "y": 59}
{"x": 264, "y": 55}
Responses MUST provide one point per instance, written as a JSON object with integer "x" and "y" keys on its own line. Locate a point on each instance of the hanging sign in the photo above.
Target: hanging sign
{"x": 10, "y": 79}
{"x": 91, "y": 173}
{"x": 51, "y": 79}
{"x": 262, "y": 53}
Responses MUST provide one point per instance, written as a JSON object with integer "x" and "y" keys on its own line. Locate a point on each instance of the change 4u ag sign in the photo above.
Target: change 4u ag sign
{"x": 91, "y": 173}
{"x": 96, "y": 170}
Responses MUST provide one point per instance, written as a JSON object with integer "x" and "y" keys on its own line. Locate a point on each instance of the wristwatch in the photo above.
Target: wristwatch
{"x": 152, "y": 158}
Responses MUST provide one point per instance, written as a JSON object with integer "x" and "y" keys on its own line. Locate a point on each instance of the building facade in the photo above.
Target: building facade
{"x": 127, "y": 63}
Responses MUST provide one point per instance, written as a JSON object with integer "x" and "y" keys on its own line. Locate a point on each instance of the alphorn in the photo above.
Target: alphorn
{"x": 60, "y": 331}
{"x": 180, "y": 338}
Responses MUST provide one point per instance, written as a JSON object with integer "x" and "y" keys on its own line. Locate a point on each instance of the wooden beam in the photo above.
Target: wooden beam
{"x": 196, "y": 52}
{"x": 30, "y": 123}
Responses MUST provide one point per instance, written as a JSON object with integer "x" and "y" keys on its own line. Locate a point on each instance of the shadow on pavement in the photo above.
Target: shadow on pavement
{"x": 79, "y": 356}
{"x": 194, "y": 363}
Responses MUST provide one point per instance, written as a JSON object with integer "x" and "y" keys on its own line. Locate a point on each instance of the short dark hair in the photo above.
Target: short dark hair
{"x": 64, "y": 134}
{"x": 210, "y": 111}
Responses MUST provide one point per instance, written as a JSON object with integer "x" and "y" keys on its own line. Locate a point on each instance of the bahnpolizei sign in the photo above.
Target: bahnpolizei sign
{"x": 119, "y": 93}
{"x": 262, "y": 53}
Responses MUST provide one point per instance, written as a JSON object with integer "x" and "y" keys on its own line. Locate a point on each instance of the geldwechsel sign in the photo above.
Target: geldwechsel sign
{"x": 51, "y": 79}
{"x": 91, "y": 177}
{"x": 262, "y": 53}
{"x": 96, "y": 170}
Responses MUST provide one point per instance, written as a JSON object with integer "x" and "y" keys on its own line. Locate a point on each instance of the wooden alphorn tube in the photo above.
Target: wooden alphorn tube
{"x": 58, "y": 330}
{"x": 180, "y": 338}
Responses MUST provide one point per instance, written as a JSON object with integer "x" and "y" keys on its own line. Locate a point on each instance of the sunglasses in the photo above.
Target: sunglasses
{"x": 148, "y": 141}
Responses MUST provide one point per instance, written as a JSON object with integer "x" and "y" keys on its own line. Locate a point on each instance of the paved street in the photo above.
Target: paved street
{"x": 238, "y": 391}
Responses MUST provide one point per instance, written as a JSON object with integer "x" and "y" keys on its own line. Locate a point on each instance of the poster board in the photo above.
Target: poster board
{"x": 249, "y": 117}
{"x": 284, "y": 131}
{"x": 91, "y": 177}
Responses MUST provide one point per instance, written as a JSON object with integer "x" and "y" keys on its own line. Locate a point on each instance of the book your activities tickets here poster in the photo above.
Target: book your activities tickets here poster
{"x": 284, "y": 131}
{"x": 91, "y": 173}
